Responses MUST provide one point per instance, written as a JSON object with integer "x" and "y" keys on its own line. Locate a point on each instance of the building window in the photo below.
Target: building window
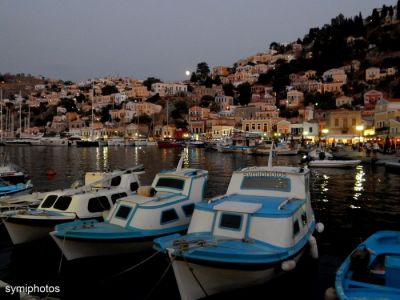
{"x": 336, "y": 122}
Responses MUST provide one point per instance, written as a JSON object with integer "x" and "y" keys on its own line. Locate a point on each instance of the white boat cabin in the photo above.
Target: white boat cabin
{"x": 95, "y": 198}
{"x": 168, "y": 203}
{"x": 264, "y": 204}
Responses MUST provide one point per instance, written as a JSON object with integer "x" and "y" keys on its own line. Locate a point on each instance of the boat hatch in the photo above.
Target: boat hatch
{"x": 235, "y": 206}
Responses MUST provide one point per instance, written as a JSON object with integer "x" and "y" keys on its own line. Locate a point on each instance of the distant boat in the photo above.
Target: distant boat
{"x": 372, "y": 270}
{"x": 334, "y": 163}
{"x": 7, "y": 189}
{"x": 168, "y": 143}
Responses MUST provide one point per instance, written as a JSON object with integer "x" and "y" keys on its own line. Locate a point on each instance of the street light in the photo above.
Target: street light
{"x": 360, "y": 128}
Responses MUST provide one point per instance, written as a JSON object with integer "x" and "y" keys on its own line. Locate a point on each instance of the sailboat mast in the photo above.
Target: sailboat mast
{"x": 20, "y": 115}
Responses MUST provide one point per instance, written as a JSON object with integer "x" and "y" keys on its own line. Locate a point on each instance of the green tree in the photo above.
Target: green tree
{"x": 206, "y": 101}
{"x": 193, "y": 77}
{"x": 244, "y": 91}
{"x": 68, "y": 104}
{"x": 228, "y": 89}
{"x": 108, "y": 90}
{"x": 398, "y": 10}
{"x": 149, "y": 81}
{"x": 202, "y": 71}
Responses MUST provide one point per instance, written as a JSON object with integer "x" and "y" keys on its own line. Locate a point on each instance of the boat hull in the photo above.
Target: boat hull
{"x": 28, "y": 230}
{"x": 208, "y": 280}
{"x": 334, "y": 163}
{"x": 81, "y": 248}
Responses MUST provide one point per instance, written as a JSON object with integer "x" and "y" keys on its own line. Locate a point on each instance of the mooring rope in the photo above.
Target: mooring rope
{"x": 159, "y": 280}
{"x": 136, "y": 265}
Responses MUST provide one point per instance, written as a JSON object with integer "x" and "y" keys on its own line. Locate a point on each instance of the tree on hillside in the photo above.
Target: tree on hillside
{"x": 206, "y": 101}
{"x": 149, "y": 81}
{"x": 193, "y": 77}
{"x": 228, "y": 89}
{"x": 398, "y": 10}
{"x": 202, "y": 72}
{"x": 108, "y": 90}
{"x": 375, "y": 18}
{"x": 244, "y": 91}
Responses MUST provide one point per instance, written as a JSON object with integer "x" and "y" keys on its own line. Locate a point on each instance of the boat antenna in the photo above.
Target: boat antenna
{"x": 180, "y": 163}
{"x": 270, "y": 155}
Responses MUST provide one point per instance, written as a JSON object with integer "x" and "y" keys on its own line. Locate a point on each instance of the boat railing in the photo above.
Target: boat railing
{"x": 285, "y": 202}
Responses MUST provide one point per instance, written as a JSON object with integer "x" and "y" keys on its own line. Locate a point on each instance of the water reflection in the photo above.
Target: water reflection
{"x": 358, "y": 184}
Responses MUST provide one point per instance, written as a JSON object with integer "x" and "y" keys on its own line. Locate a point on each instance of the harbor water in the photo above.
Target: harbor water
{"x": 351, "y": 203}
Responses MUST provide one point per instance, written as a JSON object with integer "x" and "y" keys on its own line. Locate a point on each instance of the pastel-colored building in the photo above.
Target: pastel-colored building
{"x": 371, "y": 98}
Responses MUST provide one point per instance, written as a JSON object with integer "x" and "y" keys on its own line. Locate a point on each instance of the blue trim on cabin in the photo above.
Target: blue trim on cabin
{"x": 93, "y": 230}
{"x": 235, "y": 251}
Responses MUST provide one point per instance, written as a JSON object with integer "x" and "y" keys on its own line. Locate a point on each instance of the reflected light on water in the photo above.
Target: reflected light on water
{"x": 185, "y": 153}
{"x": 359, "y": 181}
{"x": 105, "y": 158}
{"x": 324, "y": 187}
{"x": 354, "y": 207}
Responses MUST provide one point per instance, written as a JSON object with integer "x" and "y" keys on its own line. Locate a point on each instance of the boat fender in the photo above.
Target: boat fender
{"x": 330, "y": 294}
{"x": 146, "y": 191}
{"x": 319, "y": 227}
{"x": 288, "y": 265}
{"x": 313, "y": 247}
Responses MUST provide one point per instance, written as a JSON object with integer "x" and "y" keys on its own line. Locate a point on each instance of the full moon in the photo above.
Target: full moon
{"x": 187, "y": 73}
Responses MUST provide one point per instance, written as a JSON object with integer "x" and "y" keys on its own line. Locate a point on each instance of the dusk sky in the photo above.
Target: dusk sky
{"x": 81, "y": 39}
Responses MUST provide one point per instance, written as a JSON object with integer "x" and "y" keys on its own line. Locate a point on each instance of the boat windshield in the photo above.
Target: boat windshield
{"x": 173, "y": 183}
{"x": 266, "y": 183}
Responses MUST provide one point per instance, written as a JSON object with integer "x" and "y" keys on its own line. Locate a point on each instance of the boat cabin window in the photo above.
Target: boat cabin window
{"x": 170, "y": 183}
{"x": 169, "y": 215}
{"x": 49, "y": 201}
{"x": 115, "y": 197}
{"x": 188, "y": 209}
{"x": 134, "y": 186}
{"x": 98, "y": 204}
{"x": 63, "y": 202}
{"x": 116, "y": 181}
{"x": 230, "y": 221}
{"x": 123, "y": 212}
{"x": 296, "y": 227}
{"x": 266, "y": 183}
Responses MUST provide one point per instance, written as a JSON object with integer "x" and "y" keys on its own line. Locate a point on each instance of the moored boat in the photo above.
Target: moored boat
{"x": 334, "y": 163}
{"x": 372, "y": 270}
{"x": 256, "y": 231}
{"x": 161, "y": 209}
{"x": 93, "y": 200}
{"x": 8, "y": 189}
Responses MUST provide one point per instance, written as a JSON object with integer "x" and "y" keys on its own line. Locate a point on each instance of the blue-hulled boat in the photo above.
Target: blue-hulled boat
{"x": 257, "y": 230}
{"x": 161, "y": 209}
{"x": 9, "y": 189}
{"x": 372, "y": 270}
